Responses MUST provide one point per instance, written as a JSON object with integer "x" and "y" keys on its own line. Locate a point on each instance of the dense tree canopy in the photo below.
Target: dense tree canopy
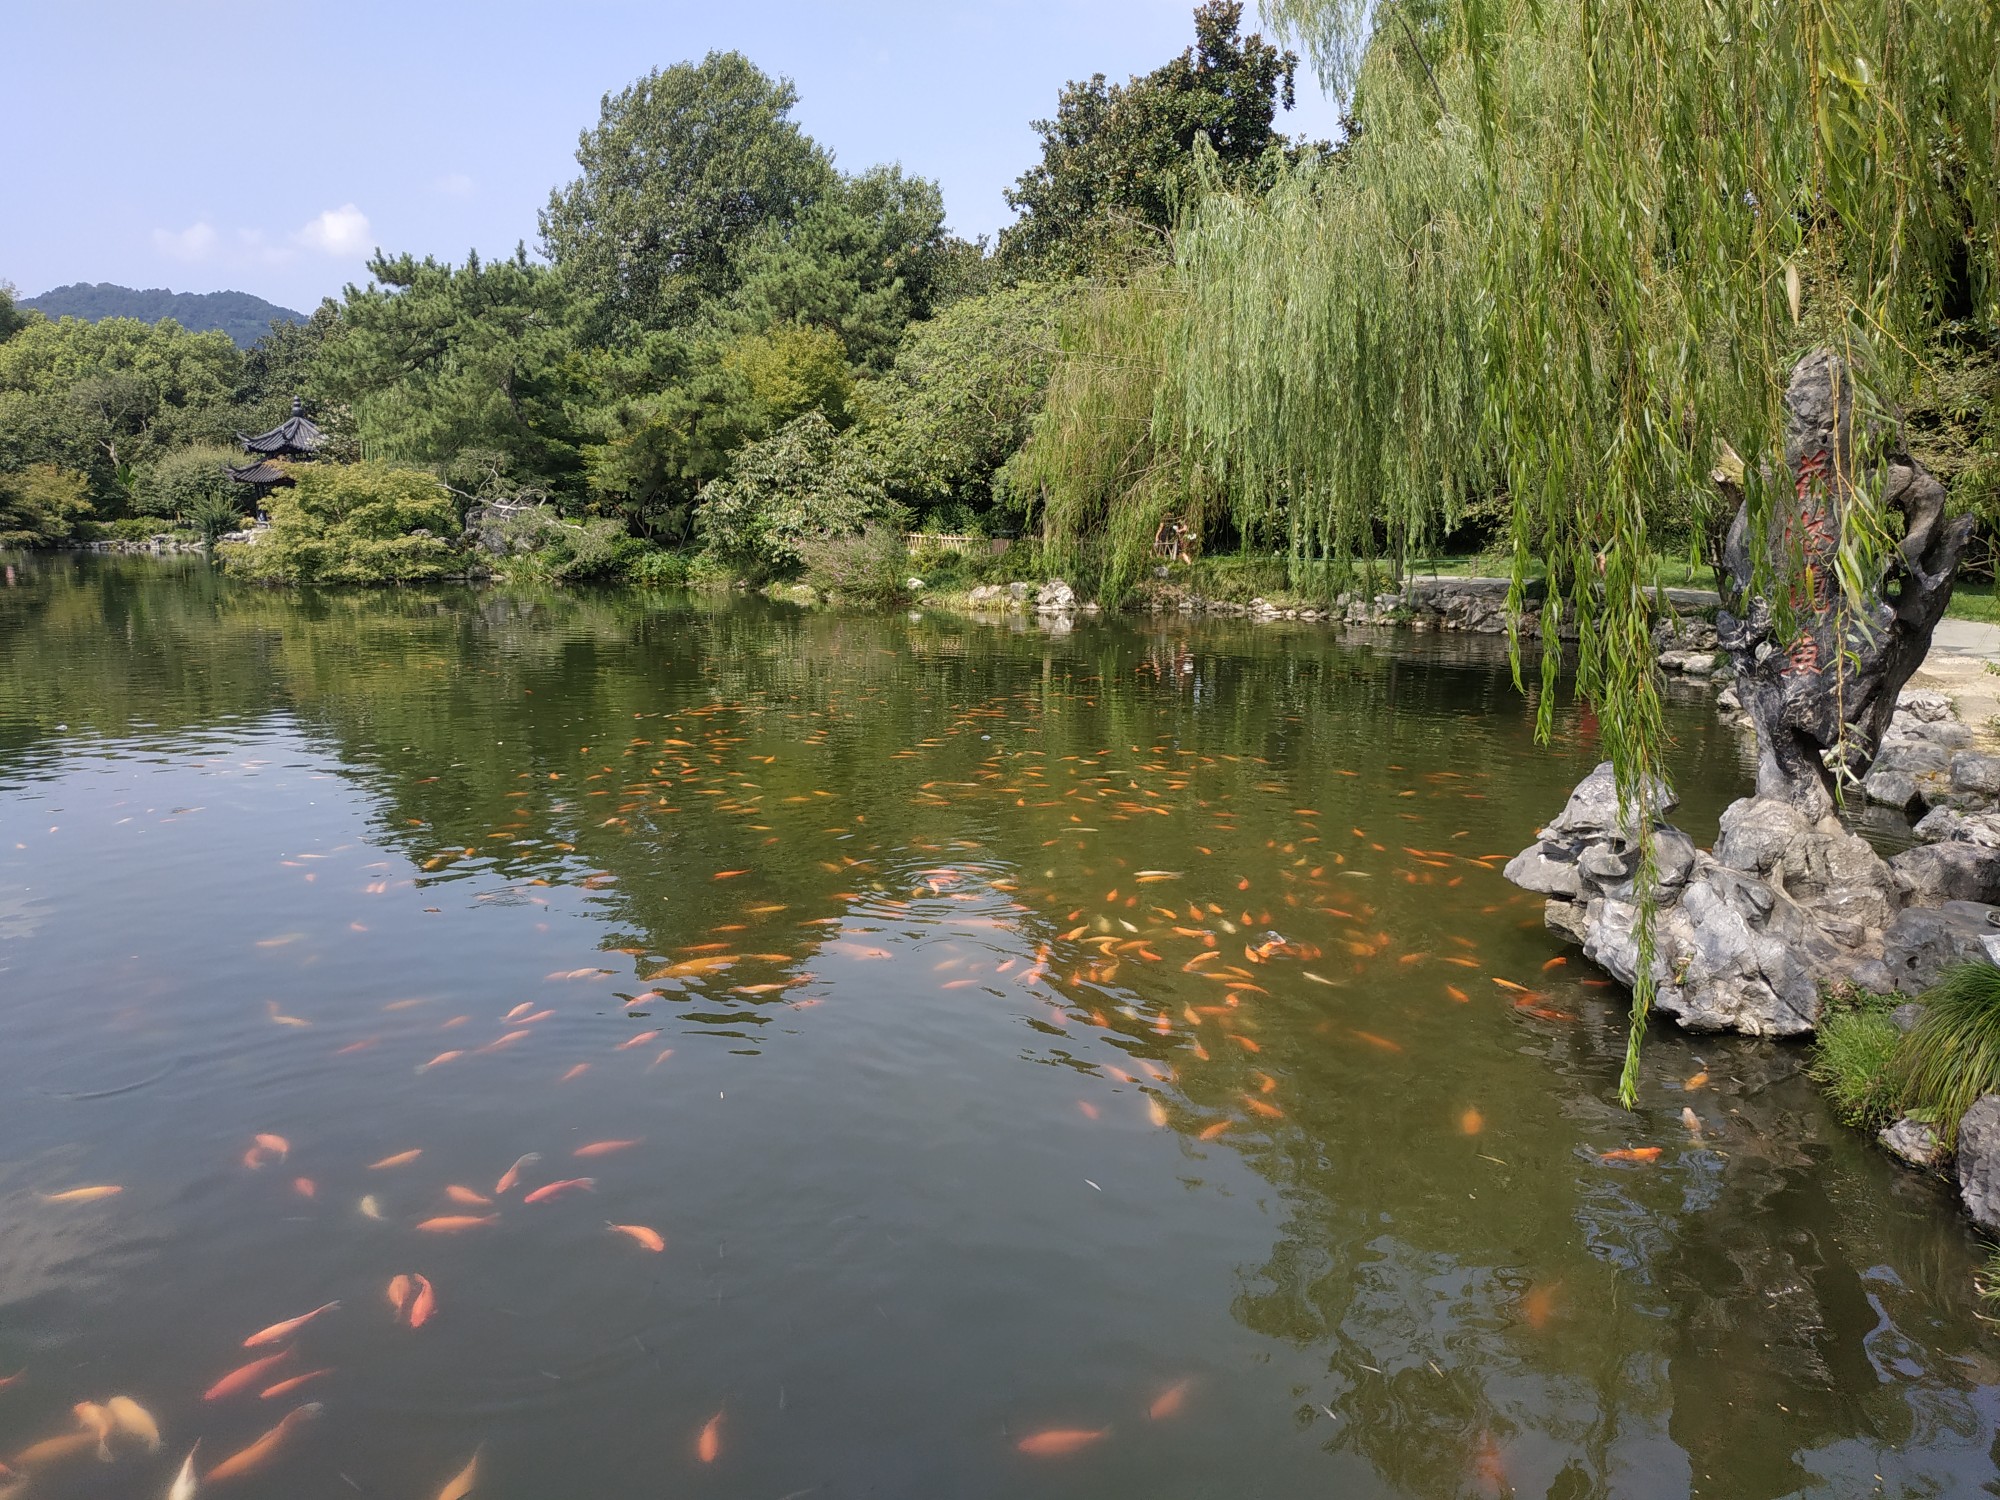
{"x": 681, "y": 171}
{"x": 1117, "y": 158}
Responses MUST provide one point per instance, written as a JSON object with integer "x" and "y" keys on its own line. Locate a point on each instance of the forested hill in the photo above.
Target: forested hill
{"x": 243, "y": 317}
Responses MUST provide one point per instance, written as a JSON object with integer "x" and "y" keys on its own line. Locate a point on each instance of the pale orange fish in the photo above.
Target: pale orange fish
{"x": 253, "y": 1158}
{"x": 1059, "y": 1441}
{"x": 603, "y": 1148}
{"x": 52, "y": 1450}
{"x": 424, "y": 1304}
{"x": 276, "y": 1143}
{"x": 1156, "y": 1112}
{"x": 1691, "y": 1120}
{"x": 461, "y": 1485}
{"x": 1697, "y": 1081}
{"x": 1472, "y": 1122}
{"x": 557, "y": 1189}
{"x": 399, "y": 1293}
{"x": 513, "y": 1173}
{"x": 82, "y": 1194}
{"x": 576, "y": 1072}
{"x": 708, "y": 1446}
{"x": 97, "y": 1421}
{"x": 260, "y": 1451}
{"x": 130, "y": 1417}
{"x": 1168, "y": 1402}
{"x": 1458, "y": 994}
{"x": 286, "y": 1387}
{"x": 440, "y": 1060}
{"x": 305, "y": 1187}
{"x": 245, "y": 1376}
{"x": 279, "y": 1331}
{"x": 1538, "y": 1304}
{"x": 1633, "y": 1153}
{"x": 650, "y": 1238}
{"x": 638, "y": 1041}
{"x": 506, "y": 1041}
{"x": 1210, "y": 1132}
{"x": 1379, "y": 1041}
{"x": 400, "y": 1159}
{"x": 1508, "y": 984}
{"x": 1554, "y": 963}
{"x": 361, "y": 1046}
{"x": 457, "y": 1223}
{"x": 466, "y": 1196}
{"x": 185, "y": 1484}
{"x": 7, "y": 1380}
{"x": 729, "y": 874}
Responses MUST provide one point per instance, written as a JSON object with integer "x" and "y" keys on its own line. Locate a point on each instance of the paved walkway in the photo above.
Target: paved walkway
{"x": 1960, "y": 650}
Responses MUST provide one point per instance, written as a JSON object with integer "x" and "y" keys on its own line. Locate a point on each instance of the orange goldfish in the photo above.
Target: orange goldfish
{"x": 1633, "y": 1153}
{"x": 400, "y": 1159}
{"x": 603, "y": 1148}
{"x": 276, "y": 1144}
{"x": 286, "y": 1387}
{"x": 1379, "y": 1041}
{"x": 97, "y": 1421}
{"x": 466, "y": 1196}
{"x": 650, "y": 1238}
{"x": 245, "y": 1376}
{"x": 424, "y": 1304}
{"x": 513, "y": 1173}
{"x": 638, "y": 1041}
{"x": 51, "y": 1450}
{"x": 399, "y": 1293}
{"x": 1168, "y": 1402}
{"x": 82, "y": 1195}
{"x": 461, "y": 1485}
{"x": 1472, "y": 1122}
{"x": 1059, "y": 1441}
{"x": 557, "y": 1189}
{"x": 261, "y": 1450}
{"x": 708, "y": 1446}
{"x": 279, "y": 1331}
{"x": 134, "y": 1419}
{"x": 305, "y": 1187}
{"x": 456, "y": 1223}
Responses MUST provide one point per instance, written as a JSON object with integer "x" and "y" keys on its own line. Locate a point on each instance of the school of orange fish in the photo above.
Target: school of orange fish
{"x": 1081, "y": 965}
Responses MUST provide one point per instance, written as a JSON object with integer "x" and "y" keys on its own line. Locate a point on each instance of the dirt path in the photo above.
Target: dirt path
{"x": 1956, "y": 666}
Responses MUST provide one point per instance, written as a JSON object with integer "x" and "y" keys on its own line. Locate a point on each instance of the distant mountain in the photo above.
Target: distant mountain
{"x": 243, "y": 317}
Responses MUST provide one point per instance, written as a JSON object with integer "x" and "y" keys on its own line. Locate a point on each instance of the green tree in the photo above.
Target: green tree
{"x": 108, "y": 398}
{"x": 188, "y": 479}
{"x": 41, "y": 505}
{"x": 864, "y": 259}
{"x": 1117, "y": 158}
{"x": 659, "y": 450}
{"x": 285, "y": 363}
{"x": 431, "y": 360}
{"x": 368, "y": 522}
{"x": 940, "y": 426}
{"x": 797, "y": 486}
{"x": 683, "y": 168}
{"x": 12, "y": 318}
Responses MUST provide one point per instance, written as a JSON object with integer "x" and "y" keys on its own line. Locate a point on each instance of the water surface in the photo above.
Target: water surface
{"x": 1014, "y": 1027}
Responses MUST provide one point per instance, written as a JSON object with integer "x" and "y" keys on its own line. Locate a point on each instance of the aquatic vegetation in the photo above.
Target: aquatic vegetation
{"x": 1851, "y": 1057}
{"x": 1952, "y": 1055}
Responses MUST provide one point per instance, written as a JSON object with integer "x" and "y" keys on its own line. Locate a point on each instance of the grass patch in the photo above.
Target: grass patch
{"x": 1969, "y": 602}
{"x": 1952, "y": 1055}
{"x": 1852, "y": 1057}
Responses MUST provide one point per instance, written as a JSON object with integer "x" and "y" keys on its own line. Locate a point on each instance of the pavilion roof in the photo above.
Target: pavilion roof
{"x": 296, "y": 436}
{"x": 261, "y": 472}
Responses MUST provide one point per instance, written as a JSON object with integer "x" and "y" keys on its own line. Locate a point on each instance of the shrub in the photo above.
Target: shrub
{"x": 798, "y": 484}
{"x": 189, "y": 480}
{"x": 1850, "y": 1061}
{"x": 657, "y": 568}
{"x": 543, "y": 547}
{"x": 867, "y": 569}
{"x": 366, "y": 522}
{"x": 41, "y": 505}
{"x": 1952, "y": 1055}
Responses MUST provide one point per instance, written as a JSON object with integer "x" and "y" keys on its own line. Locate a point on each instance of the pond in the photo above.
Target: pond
{"x": 791, "y": 1053}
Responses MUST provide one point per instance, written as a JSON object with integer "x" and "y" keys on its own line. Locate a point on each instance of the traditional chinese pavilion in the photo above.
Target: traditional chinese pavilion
{"x": 295, "y": 437}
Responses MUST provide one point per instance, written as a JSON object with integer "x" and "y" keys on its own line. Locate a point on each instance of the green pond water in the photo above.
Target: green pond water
{"x": 1057, "y": 1064}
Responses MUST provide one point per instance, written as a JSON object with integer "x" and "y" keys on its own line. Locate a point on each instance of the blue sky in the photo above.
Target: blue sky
{"x": 207, "y": 144}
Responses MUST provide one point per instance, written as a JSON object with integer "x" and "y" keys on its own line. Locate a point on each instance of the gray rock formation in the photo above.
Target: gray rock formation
{"x": 1979, "y": 1162}
{"x": 1821, "y": 686}
{"x": 1055, "y": 598}
{"x": 1923, "y": 941}
{"x": 1914, "y": 1142}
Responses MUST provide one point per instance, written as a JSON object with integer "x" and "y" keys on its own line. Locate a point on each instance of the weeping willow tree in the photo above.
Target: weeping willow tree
{"x": 1570, "y": 253}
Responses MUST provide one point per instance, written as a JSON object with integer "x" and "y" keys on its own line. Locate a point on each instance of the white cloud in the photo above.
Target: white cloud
{"x": 196, "y": 242}
{"x": 454, "y": 185}
{"x": 342, "y": 231}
